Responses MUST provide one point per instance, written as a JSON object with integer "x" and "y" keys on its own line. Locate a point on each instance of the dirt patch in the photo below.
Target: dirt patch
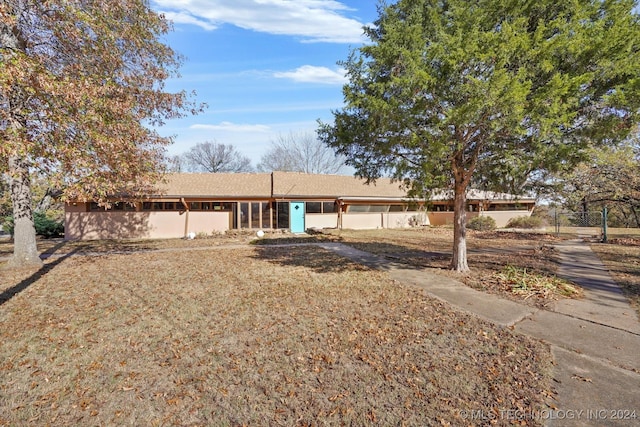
{"x": 250, "y": 336}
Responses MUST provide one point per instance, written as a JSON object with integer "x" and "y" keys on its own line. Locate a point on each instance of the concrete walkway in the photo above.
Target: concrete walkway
{"x": 595, "y": 341}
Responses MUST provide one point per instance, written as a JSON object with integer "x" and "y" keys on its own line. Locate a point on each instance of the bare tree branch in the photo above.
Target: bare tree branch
{"x": 213, "y": 157}
{"x": 301, "y": 152}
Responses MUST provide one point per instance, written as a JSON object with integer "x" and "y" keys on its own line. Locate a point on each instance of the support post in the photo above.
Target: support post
{"x": 604, "y": 224}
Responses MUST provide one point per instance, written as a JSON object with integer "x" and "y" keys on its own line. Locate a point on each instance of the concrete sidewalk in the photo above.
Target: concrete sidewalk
{"x": 595, "y": 341}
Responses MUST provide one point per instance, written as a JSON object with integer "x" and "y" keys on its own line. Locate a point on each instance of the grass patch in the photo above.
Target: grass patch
{"x": 249, "y": 336}
{"x": 530, "y": 284}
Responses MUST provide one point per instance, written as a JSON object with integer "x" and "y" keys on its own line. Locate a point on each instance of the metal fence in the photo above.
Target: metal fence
{"x": 586, "y": 223}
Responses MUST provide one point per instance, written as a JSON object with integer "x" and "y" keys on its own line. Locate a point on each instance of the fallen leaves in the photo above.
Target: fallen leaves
{"x": 581, "y": 378}
{"x": 531, "y": 284}
{"x": 244, "y": 345}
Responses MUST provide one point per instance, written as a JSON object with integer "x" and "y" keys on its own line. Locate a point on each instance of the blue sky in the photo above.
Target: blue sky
{"x": 264, "y": 67}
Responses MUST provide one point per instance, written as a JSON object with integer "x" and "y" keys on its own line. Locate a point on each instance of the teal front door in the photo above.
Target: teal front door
{"x": 296, "y": 213}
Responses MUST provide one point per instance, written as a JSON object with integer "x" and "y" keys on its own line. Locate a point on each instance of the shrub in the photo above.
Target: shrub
{"x": 525, "y": 222}
{"x": 7, "y": 224}
{"x": 45, "y": 226}
{"x": 482, "y": 223}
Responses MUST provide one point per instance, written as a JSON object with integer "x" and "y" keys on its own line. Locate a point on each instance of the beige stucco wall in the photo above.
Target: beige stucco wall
{"x": 321, "y": 220}
{"x": 404, "y": 219}
{"x": 501, "y": 217}
{"x": 441, "y": 218}
{"x": 209, "y": 222}
{"x": 362, "y": 221}
{"x": 134, "y": 225}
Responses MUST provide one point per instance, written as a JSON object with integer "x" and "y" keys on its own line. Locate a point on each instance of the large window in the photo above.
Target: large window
{"x": 378, "y": 208}
{"x": 329, "y": 207}
{"x": 321, "y": 207}
{"x": 507, "y": 207}
{"x": 442, "y": 208}
{"x": 282, "y": 214}
{"x": 255, "y": 215}
{"x": 313, "y": 207}
{"x": 266, "y": 214}
{"x": 244, "y": 215}
{"x": 367, "y": 208}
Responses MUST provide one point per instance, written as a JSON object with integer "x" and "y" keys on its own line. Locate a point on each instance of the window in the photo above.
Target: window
{"x": 221, "y": 206}
{"x": 368, "y": 208}
{"x": 396, "y": 208}
{"x": 379, "y": 208}
{"x": 244, "y": 215}
{"x": 162, "y": 206}
{"x": 507, "y": 207}
{"x": 329, "y": 207}
{"x": 442, "y": 208}
{"x": 358, "y": 208}
{"x": 266, "y": 214}
{"x": 313, "y": 207}
{"x": 255, "y": 215}
{"x": 282, "y": 214}
{"x": 195, "y": 206}
{"x": 115, "y": 207}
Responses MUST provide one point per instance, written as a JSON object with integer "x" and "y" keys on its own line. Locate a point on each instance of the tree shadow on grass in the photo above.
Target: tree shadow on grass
{"x": 8, "y": 294}
{"x": 308, "y": 256}
{"x": 365, "y": 256}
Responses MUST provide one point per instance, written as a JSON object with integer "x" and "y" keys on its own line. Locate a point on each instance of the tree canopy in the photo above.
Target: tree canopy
{"x": 491, "y": 92}
{"x": 301, "y": 152}
{"x": 81, "y": 88}
{"x": 213, "y": 157}
{"x": 609, "y": 178}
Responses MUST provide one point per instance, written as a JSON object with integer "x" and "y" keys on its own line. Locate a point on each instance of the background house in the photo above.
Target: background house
{"x": 217, "y": 202}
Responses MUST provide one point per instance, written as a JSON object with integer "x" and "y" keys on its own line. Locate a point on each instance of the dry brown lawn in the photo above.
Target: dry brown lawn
{"x": 622, "y": 258}
{"x": 518, "y": 266}
{"x": 248, "y": 335}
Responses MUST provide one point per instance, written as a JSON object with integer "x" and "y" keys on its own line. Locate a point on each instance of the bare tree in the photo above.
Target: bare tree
{"x": 214, "y": 157}
{"x": 301, "y": 152}
{"x": 176, "y": 163}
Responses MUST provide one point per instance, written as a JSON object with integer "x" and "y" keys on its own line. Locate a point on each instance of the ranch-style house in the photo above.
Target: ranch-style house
{"x": 216, "y": 202}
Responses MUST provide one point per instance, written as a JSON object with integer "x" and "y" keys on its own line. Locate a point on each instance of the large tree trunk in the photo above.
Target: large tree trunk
{"x": 25, "y": 251}
{"x": 459, "y": 259}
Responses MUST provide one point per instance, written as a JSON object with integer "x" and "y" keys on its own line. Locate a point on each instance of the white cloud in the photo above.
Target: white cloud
{"x": 232, "y": 127}
{"x": 311, "y": 74}
{"x": 186, "y": 18}
{"x": 312, "y": 20}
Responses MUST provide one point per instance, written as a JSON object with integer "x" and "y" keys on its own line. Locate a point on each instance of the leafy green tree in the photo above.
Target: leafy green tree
{"x": 81, "y": 88}
{"x": 610, "y": 178}
{"x": 493, "y": 91}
